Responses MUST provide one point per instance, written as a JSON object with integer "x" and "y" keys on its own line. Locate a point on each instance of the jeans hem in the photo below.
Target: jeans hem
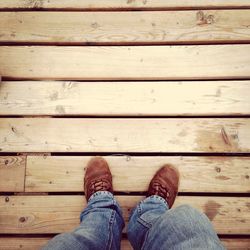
{"x": 98, "y": 193}
{"x": 158, "y": 198}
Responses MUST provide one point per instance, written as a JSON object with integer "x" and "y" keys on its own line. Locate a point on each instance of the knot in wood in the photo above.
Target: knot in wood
{"x": 22, "y": 219}
{"x": 218, "y": 170}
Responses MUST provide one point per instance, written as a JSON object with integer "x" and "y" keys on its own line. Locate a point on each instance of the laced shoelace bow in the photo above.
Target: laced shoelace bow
{"x": 99, "y": 185}
{"x": 160, "y": 190}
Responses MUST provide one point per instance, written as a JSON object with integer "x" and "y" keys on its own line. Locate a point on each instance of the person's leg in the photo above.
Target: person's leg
{"x": 153, "y": 225}
{"x": 101, "y": 221}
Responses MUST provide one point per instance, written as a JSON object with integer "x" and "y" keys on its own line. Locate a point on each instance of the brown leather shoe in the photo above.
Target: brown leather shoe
{"x": 165, "y": 183}
{"x": 97, "y": 177}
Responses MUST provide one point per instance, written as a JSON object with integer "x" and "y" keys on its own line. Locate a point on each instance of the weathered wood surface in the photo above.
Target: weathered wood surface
{"x": 35, "y": 243}
{"x": 124, "y": 62}
{"x": 205, "y": 98}
{"x": 129, "y": 27}
{"x": 12, "y": 173}
{"x": 121, "y": 4}
{"x": 198, "y": 174}
{"x": 117, "y": 135}
{"x": 55, "y": 214}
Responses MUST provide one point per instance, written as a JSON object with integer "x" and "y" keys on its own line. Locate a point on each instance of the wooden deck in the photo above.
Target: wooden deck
{"x": 142, "y": 83}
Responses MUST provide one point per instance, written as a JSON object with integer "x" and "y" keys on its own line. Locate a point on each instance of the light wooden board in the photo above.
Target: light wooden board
{"x": 125, "y": 98}
{"x": 35, "y": 243}
{"x": 121, "y": 4}
{"x": 12, "y": 172}
{"x": 123, "y": 62}
{"x": 129, "y": 27}
{"x": 120, "y": 135}
{"x": 55, "y": 214}
{"x": 198, "y": 174}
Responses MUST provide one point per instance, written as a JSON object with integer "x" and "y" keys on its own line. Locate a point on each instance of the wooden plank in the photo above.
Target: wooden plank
{"x": 198, "y": 174}
{"x": 207, "y": 98}
{"x": 235, "y": 244}
{"x": 129, "y": 27}
{"x": 121, "y": 4}
{"x": 56, "y": 214}
{"x": 15, "y": 243}
{"x": 124, "y": 135}
{"x": 35, "y": 243}
{"x": 123, "y": 62}
{"x": 12, "y": 172}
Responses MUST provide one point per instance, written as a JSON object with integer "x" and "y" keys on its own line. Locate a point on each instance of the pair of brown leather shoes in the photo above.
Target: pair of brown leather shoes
{"x": 98, "y": 178}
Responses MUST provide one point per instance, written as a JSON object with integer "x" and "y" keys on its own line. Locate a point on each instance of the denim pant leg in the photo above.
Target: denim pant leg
{"x": 100, "y": 228}
{"x": 153, "y": 225}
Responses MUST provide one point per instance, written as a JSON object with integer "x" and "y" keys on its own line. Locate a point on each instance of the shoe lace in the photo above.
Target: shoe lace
{"x": 160, "y": 190}
{"x": 99, "y": 185}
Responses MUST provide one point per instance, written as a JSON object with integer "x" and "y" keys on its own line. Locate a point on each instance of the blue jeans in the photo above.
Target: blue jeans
{"x": 152, "y": 225}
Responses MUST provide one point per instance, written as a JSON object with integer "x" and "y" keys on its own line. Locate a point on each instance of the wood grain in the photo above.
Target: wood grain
{"x": 123, "y": 62}
{"x": 56, "y": 214}
{"x": 35, "y": 243}
{"x": 235, "y": 244}
{"x": 198, "y": 174}
{"x": 206, "y": 98}
{"x": 12, "y": 172}
{"x": 121, "y": 4}
{"x": 129, "y": 27}
{"x": 15, "y": 243}
{"x": 119, "y": 135}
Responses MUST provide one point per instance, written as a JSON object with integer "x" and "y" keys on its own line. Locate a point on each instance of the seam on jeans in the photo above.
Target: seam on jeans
{"x": 144, "y": 223}
{"x": 139, "y": 209}
{"x": 145, "y": 239}
{"x": 140, "y": 220}
{"x": 111, "y": 223}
